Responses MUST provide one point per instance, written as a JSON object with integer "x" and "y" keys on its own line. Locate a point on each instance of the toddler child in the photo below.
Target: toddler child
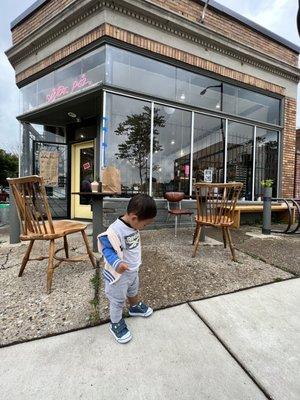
{"x": 121, "y": 248}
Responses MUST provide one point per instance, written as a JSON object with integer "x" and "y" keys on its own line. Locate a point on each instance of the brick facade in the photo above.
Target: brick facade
{"x": 38, "y": 19}
{"x": 226, "y": 26}
{"x": 189, "y": 9}
{"x": 297, "y": 166}
{"x": 288, "y": 148}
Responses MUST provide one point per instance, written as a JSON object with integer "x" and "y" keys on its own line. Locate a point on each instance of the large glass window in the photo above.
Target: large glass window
{"x": 208, "y": 151}
{"x": 249, "y": 104}
{"x": 126, "y": 141}
{"x": 145, "y": 75}
{"x": 73, "y": 77}
{"x": 141, "y": 74}
{"x": 171, "y": 150}
{"x": 240, "y": 156}
{"x": 198, "y": 90}
{"x": 266, "y": 160}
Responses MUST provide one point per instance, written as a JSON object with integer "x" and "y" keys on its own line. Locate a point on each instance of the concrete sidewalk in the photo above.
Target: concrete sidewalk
{"x": 250, "y": 352}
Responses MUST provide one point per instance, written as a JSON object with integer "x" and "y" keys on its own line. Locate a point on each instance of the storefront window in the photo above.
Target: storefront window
{"x": 266, "y": 160}
{"x": 44, "y": 152}
{"x": 240, "y": 156}
{"x": 198, "y": 90}
{"x": 208, "y": 152}
{"x": 75, "y": 77}
{"x": 126, "y": 142}
{"x": 249, "y": 104}
{"x": 171, "y": 150}
{"x": 138, "y": 73}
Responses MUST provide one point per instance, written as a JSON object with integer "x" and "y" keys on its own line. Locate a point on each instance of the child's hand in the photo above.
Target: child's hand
{"x": 122, "y": 268}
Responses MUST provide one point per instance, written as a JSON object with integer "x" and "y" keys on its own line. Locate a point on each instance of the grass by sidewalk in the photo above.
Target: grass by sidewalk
{"x": 168, "y": 276}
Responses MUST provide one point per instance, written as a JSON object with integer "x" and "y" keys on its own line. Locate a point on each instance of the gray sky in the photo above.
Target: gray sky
{"x": 278, "y": 16}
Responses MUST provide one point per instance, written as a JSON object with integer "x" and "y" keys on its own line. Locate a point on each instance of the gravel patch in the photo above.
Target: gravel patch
{"x": 26, "y": 311}
{"x": 280, "y": 250}
{"x": 169, "y": 275}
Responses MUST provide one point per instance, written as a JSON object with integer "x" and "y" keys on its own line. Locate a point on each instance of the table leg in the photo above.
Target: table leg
{"x": 97, "y": 220}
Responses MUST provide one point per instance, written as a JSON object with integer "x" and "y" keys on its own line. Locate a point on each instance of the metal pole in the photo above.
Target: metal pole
{"x": 14, "y": 224}
{"x": 266, "y": 228}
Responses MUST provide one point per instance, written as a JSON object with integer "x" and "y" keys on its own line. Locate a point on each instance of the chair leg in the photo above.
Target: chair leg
{"x": 176, "y": 226}
{"x": 197, "y": 240}
{"x": 66, "y": 246}
{"x": 195, "y": 233}
{"x": 50, "y": 269}
{"x": 26, "y": 257}
{"x": 231, "y": 244}
{"x": 224, "y": 237}
{"x": 88, "y": 249}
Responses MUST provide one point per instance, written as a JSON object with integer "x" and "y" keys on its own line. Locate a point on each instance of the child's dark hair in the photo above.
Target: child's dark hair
{"x": 143, "y": 206}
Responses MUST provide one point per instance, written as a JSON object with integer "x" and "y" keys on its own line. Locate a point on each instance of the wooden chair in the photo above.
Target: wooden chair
{"x": 215, "y": 207}
{"x": 174, "y": 206}
{"x": 36, "y": 221}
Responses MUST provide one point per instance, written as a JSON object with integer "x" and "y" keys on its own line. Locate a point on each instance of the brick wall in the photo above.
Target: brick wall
{"x": 189, "y": 9}
{"x": 40, "y": 17}
{"x": 297, "y": 175}
{"x": 230, "y": 28}
{"x": 288, "y": 144}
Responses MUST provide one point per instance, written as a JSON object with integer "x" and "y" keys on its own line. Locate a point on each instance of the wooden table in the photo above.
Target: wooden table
{"x": 97, "y": 203}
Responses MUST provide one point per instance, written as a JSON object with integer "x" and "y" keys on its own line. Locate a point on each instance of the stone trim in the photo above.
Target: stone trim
{"x": 155, "y": 47}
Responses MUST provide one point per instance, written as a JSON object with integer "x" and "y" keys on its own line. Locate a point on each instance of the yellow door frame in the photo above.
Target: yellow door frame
{"x": 78, "y": 210}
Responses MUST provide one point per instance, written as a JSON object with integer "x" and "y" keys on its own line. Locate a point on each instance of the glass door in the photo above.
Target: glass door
{"x": 82, "y": 176}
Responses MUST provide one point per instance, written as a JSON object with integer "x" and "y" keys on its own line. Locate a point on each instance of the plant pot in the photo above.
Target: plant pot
{"x": 267, "y": 192}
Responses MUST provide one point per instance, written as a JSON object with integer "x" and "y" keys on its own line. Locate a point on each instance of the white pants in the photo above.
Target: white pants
{"x": 126, "y": 286}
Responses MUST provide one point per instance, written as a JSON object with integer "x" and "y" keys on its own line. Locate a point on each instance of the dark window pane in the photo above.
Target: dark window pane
{"x": 240, "y": 156}
{"x": 171, "y": 150}
{"x": 209, "y": 139}
{"x": 266, "y": 160}
{"x": 127, "y": 142}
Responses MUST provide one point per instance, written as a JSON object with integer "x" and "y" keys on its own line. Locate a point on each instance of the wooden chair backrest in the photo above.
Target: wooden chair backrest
{"x": 174, "y": 199}
{"x": 32, "y": 205}
{"x": 217, "y": 200}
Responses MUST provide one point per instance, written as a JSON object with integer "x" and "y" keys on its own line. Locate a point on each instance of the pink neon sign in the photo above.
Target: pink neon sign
{"x": 61, "y": 90}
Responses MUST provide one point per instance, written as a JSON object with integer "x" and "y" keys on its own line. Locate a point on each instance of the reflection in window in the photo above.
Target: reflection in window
{"x": 171, "y": 161}
{"x": 249, "y": 104}
{"x": 127, "y": 141}
{"x": 73, "y": 77}
{"x": 209, "y": 139}
{"x": 266, "y": 160}
{"x": 198, "y": 90}
{"x": 139, "y": 73}
{"x": 240, "y": 156}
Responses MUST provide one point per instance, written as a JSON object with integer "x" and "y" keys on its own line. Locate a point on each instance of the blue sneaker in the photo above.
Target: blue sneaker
{"x": 120, "y": 332}
{"x": 140, "y": 310}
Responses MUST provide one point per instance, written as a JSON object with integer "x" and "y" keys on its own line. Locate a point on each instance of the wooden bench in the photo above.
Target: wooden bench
{"x": 258, "y": 208}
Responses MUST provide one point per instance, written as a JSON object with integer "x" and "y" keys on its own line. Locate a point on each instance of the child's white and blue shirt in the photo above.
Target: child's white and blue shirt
{"x": 130, "y": 246}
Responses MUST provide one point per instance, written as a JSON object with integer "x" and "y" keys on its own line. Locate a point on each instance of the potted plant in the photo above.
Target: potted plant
{"x": 267, "y": 187}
